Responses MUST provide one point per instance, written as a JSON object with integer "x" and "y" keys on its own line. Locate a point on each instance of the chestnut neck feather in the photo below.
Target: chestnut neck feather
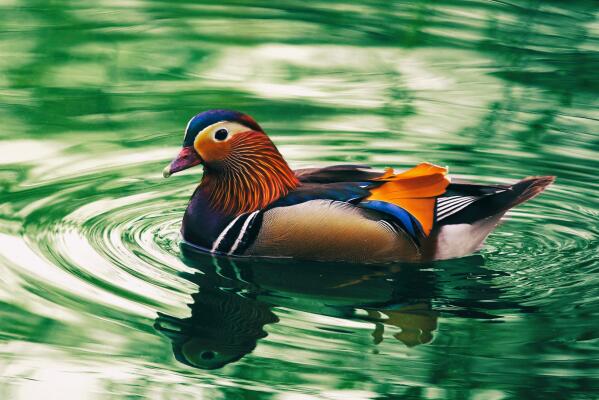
{"x": 251, "y": 177}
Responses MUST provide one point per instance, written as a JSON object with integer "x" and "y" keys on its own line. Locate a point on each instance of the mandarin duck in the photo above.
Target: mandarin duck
{"x": 251, "y": 203}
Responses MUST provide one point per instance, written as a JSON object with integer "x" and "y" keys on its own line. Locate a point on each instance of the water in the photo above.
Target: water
{"x": 94, "y": 288}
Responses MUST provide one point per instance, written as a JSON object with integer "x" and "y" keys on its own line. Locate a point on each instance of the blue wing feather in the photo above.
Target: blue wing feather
{"x": 408, "y": 223}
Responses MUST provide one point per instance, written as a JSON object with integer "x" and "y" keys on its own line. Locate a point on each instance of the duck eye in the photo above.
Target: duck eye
{"x": 221, "y": 134}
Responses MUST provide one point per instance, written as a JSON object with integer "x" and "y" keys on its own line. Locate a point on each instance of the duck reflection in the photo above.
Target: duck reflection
{"x": 223, "y": 327}
{"x": 236, "y": 297}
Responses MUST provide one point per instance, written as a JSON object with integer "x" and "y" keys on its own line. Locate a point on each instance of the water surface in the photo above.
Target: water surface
{"x": 98, "y": 300}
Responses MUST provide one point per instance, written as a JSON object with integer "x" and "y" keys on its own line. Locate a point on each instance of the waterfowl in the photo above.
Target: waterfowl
{"x": 251, "y": 203}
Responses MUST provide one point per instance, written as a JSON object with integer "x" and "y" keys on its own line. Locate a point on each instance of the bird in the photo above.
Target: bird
{"x": 251, "y": 203}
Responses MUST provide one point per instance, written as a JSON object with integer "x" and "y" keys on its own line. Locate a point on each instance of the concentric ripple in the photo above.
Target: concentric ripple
{"x": 125, "y": 245}
{"x": 98, "y": 299}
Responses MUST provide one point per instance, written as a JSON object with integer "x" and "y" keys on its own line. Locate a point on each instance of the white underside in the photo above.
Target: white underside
{"x": 462, "y": 239}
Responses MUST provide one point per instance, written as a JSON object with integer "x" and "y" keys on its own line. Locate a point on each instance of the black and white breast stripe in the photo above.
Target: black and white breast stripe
{"x": 450, "y": 205}
{"x": 238, "y": 235}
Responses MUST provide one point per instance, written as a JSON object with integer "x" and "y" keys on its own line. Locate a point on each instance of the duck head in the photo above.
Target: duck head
{"x": 243, "y": 170}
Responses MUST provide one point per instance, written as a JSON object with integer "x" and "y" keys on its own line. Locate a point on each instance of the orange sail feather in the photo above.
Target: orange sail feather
{"x": 413, "y": 190}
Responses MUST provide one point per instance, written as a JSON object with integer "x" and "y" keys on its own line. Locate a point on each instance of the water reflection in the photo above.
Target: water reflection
{"x": 223, "y": 327}
{"x": 236, "y": 298}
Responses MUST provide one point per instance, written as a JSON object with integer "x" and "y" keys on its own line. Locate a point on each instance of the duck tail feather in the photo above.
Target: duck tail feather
{"x": 489, "y": 205}
{"x": 529, "y": 187}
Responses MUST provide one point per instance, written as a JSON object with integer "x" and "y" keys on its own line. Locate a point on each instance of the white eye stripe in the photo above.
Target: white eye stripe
{"x": 187, "y": 127}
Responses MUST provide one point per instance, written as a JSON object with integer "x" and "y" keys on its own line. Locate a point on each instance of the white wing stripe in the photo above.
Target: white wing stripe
{"x": 453, "y": 199}
{"x": 443, "y": 199}
{"x": 453, "y": 207}
{"x": 447, "y": 205}
{"x": 246, "y": 223}
{"x": 224, "y": 233}
{"x": 453, "y": 211}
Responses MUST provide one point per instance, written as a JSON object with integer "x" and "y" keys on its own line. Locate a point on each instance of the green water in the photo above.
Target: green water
{"x": 94, "y": 97}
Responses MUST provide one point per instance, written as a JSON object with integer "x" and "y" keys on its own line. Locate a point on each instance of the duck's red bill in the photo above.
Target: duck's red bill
{"x": 186, "y": 158}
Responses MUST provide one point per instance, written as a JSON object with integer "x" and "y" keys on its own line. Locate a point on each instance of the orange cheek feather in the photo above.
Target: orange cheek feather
{"x": 212, "y": 151}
